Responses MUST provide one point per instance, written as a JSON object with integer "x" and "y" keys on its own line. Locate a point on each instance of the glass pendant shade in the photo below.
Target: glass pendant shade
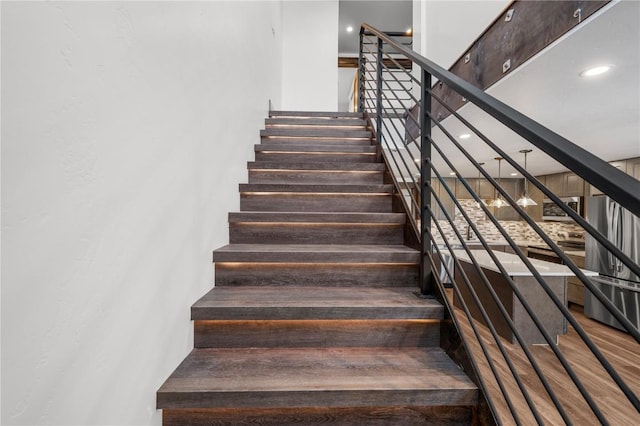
{"x": 525, "y": 200}
{"x": 498, "y": 201}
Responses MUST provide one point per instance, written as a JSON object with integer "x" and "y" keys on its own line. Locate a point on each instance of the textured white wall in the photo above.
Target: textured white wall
{"x": 126, "y": 127}
{"x": 310, "y": 55}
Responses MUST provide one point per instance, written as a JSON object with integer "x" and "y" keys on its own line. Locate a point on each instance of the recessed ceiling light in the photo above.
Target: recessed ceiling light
{"x": 592, "y": 72}
{"x": 465, "y": 136}
{"x": 349, "y": 29}
{"x": 514, "y": 174}
{"x": 452, "y": 173}
{"x": 409, "y": 31}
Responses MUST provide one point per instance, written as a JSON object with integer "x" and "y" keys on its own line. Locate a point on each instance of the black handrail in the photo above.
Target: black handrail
{"x": 617, "y": 185}
{"x": 381, "y": 98}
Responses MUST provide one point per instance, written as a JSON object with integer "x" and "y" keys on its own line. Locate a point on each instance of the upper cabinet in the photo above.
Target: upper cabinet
{"x": 573, "y": 185}
{"x": 480, "y": 186}
{"x": 565, "y": 184}
{"x": 630, "y": 167}
{"x": 633, "y": 167}
{"x": 513, "y": 187}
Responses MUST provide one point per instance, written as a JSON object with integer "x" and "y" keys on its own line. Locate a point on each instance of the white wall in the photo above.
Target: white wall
{"x": 444, "y": 29}
{"x": 310, "y": 55}
{"x": 126, "y": 129}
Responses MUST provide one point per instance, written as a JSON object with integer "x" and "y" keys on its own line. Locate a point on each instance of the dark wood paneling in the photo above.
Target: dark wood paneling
{"x": 313, "y": 177}
{"x": 317, "y": 274}
{"x": 312, "y": 157}
{"x": 316, "y": 333}
{"x": 316, "y": 203}
{"x": 534, "y": 26}
{"x": 304, "y": 233}
{"x": 316, "y": 253}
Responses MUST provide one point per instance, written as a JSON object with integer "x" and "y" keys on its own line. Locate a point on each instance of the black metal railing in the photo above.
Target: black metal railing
{"x": 476, "y": 281}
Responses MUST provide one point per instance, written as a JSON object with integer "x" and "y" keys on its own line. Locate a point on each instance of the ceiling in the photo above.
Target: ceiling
{"x": 602, "y": 114}
{"x": 384, "y": 15}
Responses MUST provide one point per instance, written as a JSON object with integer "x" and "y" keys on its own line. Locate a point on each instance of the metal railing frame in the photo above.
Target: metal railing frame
{"x": 620, "y": 187}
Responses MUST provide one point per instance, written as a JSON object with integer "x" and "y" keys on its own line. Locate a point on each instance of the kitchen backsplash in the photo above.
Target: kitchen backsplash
{"x": 517, "y": 230}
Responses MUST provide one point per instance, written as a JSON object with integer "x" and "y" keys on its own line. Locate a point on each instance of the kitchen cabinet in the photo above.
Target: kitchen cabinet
{"x": 633, "y": 168}
{"x": 621, "y": 165}
{"x": 487, "y": 191}
{"x": 513, "y": 187}
{"x": 509, "y": 249}
{"x": 481, "y": 186}
{"x": 555, "y": 183}
{"x": 536, "y": 195}
{"x": 575, "y": 288}
{"x": 461, "y": 191}
{"x": 573, "y": 185}
{"x": 444, "y": 198}
{"x": 565, "y": 184}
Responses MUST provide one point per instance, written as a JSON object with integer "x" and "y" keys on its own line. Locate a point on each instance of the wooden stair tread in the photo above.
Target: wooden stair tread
{"x": 318, "y": 217}
{"x": 291, "y": 148}
{"x": 322, "y": 188}
{"x": 310, "y": 166}
{"x": 316, "y": 253}
{"x": 315, "y": 121}
{"x": 291, "y": 302}
{"x": 299, "y": 377}
{"x": 302, "y": 114}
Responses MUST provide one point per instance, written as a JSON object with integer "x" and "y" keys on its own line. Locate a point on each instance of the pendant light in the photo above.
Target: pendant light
{"x": 498, "y": 201}
{"x": 478, "y": 188}
{"x": 525, "y": 200}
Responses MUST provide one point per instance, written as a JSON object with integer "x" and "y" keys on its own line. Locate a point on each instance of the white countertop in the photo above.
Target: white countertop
{"x": 476, "y": 242}
{"x": 515, "y": 267}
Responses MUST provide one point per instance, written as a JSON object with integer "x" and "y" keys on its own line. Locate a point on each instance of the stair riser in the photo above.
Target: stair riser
{"x": 301, "y": 177}
{"x": 310, "y": 122}
{"x": 327, "y": 217}
{"x": 332, "y": 275}
{"x": 284, "y": 141}
{"x": 316, "y": 333}
{"x": 300, "y": 233}
{"x": 326, "y": 398}
{"x": 374, "y": 416}
{"x": 278, "y": 202}
{"x": 317, "y": 133}
{"x": 320, "y": 157}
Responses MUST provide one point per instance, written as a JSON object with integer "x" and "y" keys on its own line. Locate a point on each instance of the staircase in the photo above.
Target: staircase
{"x": 314, "y": 317}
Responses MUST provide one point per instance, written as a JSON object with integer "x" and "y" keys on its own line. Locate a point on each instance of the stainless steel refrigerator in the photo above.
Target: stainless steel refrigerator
{"x": 616, "y": 281}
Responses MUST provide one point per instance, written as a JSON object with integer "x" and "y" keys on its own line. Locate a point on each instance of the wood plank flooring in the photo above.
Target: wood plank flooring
{"x": 619, "y": 348}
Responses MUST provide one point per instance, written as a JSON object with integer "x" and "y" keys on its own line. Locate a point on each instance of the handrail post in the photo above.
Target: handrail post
{"x": 379, "y": 93}
{"x": 426, "y": 279}
{"x": 361, "y": 73}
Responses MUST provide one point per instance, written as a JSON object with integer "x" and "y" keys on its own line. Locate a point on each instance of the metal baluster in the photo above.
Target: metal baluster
{"x": 426, "y": 279}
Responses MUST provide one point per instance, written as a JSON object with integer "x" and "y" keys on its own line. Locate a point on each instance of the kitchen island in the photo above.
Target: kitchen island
{"x": 554, "y": 274}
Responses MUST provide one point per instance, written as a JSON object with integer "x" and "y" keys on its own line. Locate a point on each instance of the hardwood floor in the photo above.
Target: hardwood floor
{"x": 619, "y": 349}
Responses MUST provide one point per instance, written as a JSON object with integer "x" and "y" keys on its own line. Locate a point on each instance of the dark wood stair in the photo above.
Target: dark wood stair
{"x": 316, "y": 228}
{"x": 315, "y": 317}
